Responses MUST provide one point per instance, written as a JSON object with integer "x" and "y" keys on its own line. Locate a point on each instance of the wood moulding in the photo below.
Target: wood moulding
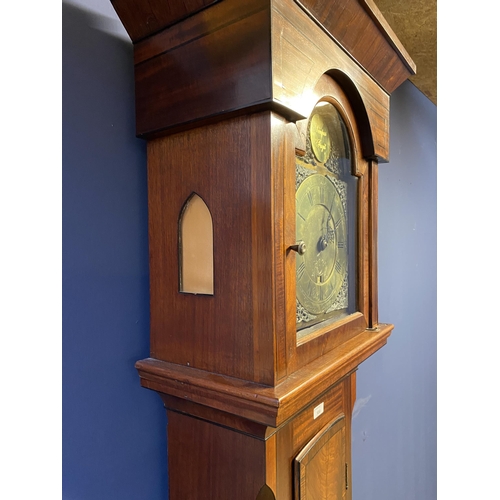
{"x": 204, "y": 62}
{"x": 270, "y": 406}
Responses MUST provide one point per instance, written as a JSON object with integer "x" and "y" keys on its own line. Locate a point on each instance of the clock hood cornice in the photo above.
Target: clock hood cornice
{"x": 357, "y": 19}
{"x": 231, "y": 57}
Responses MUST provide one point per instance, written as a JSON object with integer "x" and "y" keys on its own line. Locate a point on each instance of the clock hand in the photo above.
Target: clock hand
{"x": 330, "y": 231}
{"x": 328, "y": 237}
{"x": 322, "y": 243}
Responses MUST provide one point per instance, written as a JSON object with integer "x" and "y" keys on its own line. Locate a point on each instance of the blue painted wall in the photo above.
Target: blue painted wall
{"x": 394, "y": 425}
{"x": 114, "y": 444}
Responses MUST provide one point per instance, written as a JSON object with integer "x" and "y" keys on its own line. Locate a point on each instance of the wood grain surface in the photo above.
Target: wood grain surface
{"x": 204, "y": 61}
{"x": 224, "y": 90}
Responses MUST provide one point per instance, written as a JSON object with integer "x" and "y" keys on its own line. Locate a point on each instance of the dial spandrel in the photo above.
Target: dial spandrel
{"x": 325, "y": 205}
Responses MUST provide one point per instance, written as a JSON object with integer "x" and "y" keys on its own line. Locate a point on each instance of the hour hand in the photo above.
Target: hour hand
{"x": 323, "y": 243}
{"x": 330, "y": 231}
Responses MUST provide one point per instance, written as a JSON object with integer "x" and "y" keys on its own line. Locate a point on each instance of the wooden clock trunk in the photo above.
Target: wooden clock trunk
{"x": 224, "y": 91}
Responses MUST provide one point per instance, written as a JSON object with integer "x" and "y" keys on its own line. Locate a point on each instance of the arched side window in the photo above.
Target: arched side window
{"x": 196, "y": 251}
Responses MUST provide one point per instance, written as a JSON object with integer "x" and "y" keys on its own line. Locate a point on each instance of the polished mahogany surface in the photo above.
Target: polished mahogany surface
{"x": 224, "y": 90}
{"x": 232, "y": 57}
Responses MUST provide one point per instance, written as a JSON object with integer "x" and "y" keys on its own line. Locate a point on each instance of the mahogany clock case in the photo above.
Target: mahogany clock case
{"x": 244, "y": 170}
{"x": 224, "y": 93}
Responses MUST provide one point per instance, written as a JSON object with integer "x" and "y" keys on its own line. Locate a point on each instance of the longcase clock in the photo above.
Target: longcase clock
{"x": 265, "y": 123}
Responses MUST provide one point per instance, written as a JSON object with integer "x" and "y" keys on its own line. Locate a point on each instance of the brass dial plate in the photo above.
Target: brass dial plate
{"x": 321, "y": 224}
{"x": 325, "y": 195}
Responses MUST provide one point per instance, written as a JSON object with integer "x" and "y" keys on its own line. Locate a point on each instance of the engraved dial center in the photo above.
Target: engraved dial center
{"x": 321, "y": 259}
{"x": 321, "y": 225}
